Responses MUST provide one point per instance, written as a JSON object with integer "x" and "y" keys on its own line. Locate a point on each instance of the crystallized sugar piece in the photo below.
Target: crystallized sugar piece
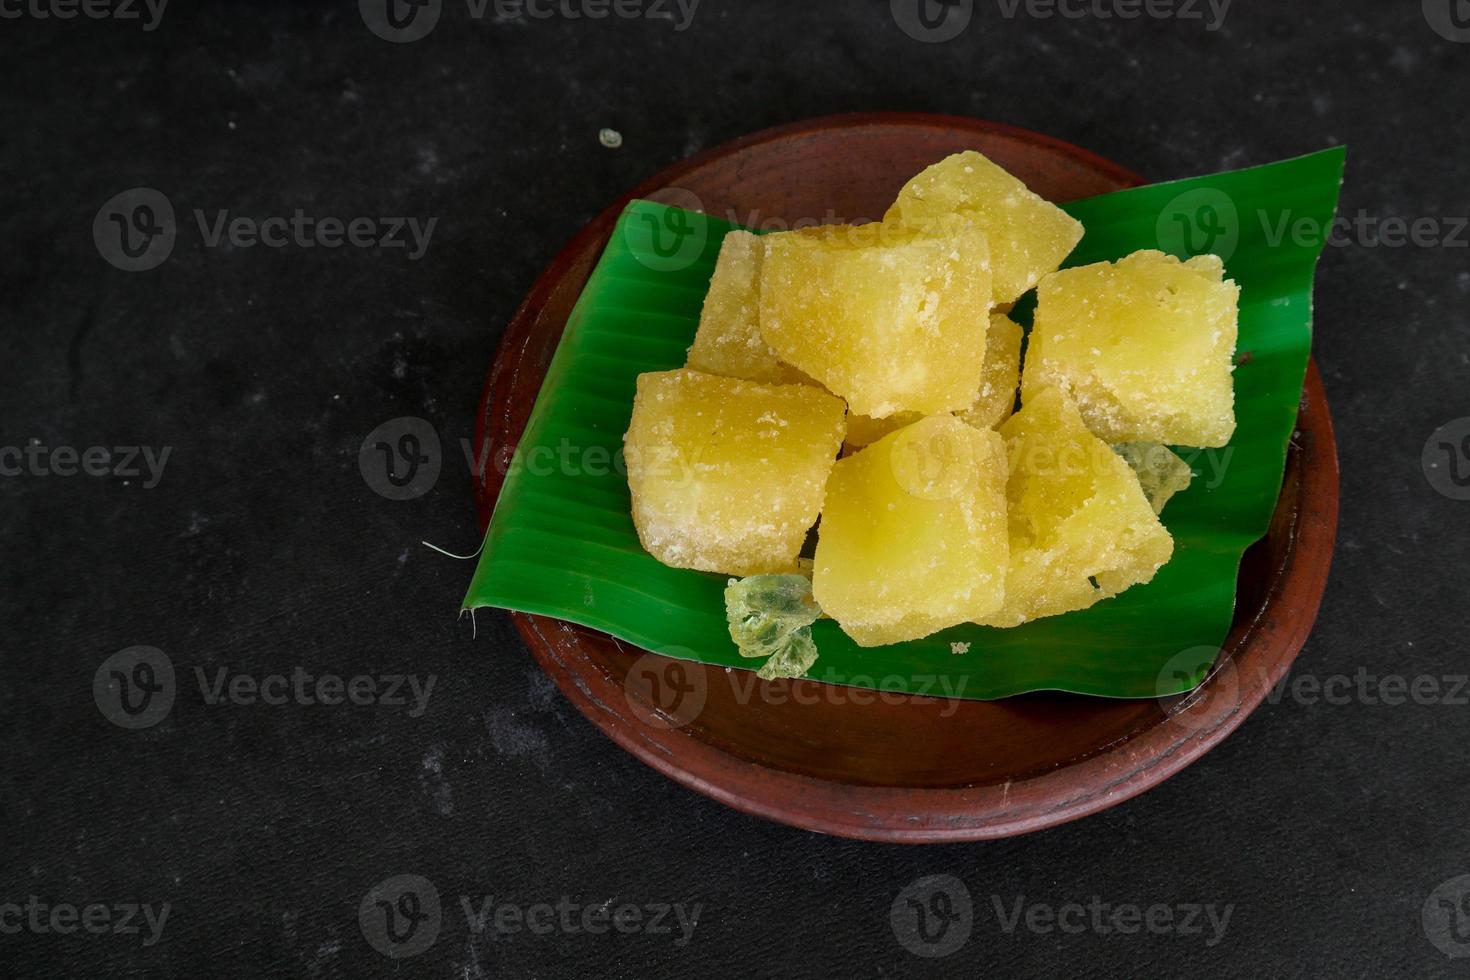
{"x": 1144, "y": 345}
{"x": 1029, "y": 236}
{"x": 794, "y": 658}
{"x": 1081, "y": 529}
{"x": 1161, "y": 473}
{"x": 727, "y": 475}
{"x": 913, "y": 533}
{"x": 764, "y": 610}
{"x": 891, "y": 319}
{"x": 999, "y": 378}
{"x": 771, "y": 616}
{"x": 728, "y": 341}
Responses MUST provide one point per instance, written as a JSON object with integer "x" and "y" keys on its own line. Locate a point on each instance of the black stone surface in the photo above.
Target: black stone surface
{"x": 1327, "y": 828}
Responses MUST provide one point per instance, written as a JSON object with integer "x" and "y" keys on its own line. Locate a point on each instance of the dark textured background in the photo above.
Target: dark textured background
{"x": 1327, "y": 827}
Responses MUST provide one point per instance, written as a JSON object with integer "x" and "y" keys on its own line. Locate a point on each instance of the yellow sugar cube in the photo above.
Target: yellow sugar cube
{"x": 913, "y": 534}
{"x": 1081, "y": 528}
{"x": 1029, "y": 236}
{"x": 999, "y": 378}
{"x": 1144, "y": 345}
{"x": 727, "y": 475}
{"x": 728, "y": 341}
{"x": 892, "y": 320}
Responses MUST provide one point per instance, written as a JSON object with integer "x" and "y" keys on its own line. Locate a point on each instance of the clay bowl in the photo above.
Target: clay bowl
{"x": 901, "y": 768}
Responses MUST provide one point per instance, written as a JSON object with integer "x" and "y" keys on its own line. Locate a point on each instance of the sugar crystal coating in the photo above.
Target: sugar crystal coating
{"x": 892, "y": 320}
{"x": 1144, "y": 345}
{"x": 913, "y": 534}
{"x": 1081, "y": 528}
{"x": 1029, "y": 236}
{"x": 727, "y": 475}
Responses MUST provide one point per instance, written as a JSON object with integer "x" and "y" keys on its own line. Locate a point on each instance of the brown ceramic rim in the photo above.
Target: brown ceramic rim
{"x": 1256, "y": 656}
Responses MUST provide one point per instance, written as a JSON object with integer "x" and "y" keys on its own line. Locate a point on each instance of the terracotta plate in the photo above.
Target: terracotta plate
{"x": 899, "y": 768}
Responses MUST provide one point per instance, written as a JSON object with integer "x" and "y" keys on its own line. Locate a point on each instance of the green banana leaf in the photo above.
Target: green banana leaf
{"x": 562, "y": 543}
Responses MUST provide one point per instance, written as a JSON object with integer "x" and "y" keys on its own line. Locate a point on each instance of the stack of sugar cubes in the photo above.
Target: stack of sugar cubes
{"x": 867, "y": 376}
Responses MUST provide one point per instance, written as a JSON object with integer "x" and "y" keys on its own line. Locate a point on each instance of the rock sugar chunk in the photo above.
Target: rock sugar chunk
{"x": 913, "y": 534}
{"x": 1144, "y": 345}
{"x": 1000, "y": 376}
{"x": 728, "y": 341}
{"x": 727, "y": 475}
{"x": 771, "y": 616}
{"x": 763, "y": 610}
{"x": 1029, "y": 236}
{"x": 1081, "y": 528}
{"x": 1161, "y": 473}
{"x": 892, "y": 320}
{"x": 794, "y": 658}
